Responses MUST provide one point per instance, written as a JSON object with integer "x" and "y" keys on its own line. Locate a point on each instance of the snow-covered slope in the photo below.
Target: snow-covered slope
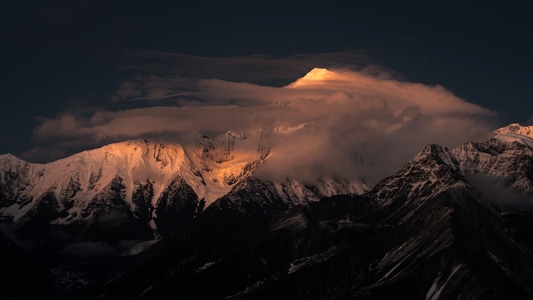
{"x": 314, "y": 77}
{"x": 154, "y": 185}
{"x": 86, "y": 174}
{"x": 515, "y": 133}
{"x": 210, "y": 167}
{"x": 515, "y": 128}
{"x": 225, "y": 160}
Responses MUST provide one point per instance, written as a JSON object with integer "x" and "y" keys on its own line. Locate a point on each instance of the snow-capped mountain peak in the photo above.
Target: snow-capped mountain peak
{"x": 318, "y": 74}
{"x": 313, "y": 77}
{"x": 210, "y": 167}
{"x": 516, "y": 128}
{"x": 515, "y": 133}
{"x": 85, "y": 175}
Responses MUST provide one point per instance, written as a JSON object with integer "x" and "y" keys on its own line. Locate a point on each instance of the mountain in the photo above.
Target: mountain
{"x": 515, "y": 129}
{"x": 450, "y": 224}
{"x": 146, "y": 219}
{"x": 314, "y": 77}
{"x": 122, "y": 196}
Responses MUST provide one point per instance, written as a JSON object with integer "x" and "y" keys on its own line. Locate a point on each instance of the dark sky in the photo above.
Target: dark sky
{"x": 61, "y": 57}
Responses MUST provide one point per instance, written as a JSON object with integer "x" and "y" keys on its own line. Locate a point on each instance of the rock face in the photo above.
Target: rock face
{"x": 450, "y": 224}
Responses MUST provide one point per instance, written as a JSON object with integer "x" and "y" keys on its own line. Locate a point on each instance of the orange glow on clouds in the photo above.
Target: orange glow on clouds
{"x": 316, "y": 124}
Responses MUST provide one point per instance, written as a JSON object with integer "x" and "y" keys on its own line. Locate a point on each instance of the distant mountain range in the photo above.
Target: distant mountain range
{"x": 144, "y": 219}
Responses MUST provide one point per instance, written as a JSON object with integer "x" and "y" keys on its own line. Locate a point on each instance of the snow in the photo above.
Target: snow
{"x": 314, "y": 77}
{"x": 8, "y": 159}
{"x": 294, "y": 192}
{"x": 132, "y": 161}
{"x": 207, "y": 265}
{"x": 153, "y": 226}
{"x": 494, "y": 257}
{"x": 140, "y": 247}
{"x": 515, "y": 137}
{"x": 437, "y": 287}
{"x": 515, "y": 133}
{"x": 297, "y": 222}
{"x": 303, "y": 262}
{"x": 210, "y": 166}
{"x": 87, "y": 174}
{"x": 223, "y": 161}
{"x": 516, "y": 129}
{"x": 332, "y": 186}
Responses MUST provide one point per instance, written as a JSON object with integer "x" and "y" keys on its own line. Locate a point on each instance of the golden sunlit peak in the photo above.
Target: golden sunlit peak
{"x": 314, "y": 76}
{"x": 318, "y": 74}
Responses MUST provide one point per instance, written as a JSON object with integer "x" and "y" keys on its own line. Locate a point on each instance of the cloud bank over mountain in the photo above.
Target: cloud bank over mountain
{"x": 331, "y": 122}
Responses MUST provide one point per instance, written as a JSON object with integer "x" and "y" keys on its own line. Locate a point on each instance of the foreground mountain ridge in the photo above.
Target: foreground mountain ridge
{"x": 452, "y": 223}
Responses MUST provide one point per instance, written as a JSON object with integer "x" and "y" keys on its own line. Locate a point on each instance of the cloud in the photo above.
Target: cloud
{"x": 348, "y": 122}
{"x": 496, "y": 191}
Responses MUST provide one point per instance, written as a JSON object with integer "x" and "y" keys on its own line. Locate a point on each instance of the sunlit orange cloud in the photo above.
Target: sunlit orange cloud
{"x": 105, "y": 125}
{"x": 320, "y": 123}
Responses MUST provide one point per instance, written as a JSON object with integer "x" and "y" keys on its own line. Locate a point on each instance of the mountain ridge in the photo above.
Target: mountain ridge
{"x": 451, "y": 223}
{"x": 425, "y": 232}
{"x": 150, "y": 186}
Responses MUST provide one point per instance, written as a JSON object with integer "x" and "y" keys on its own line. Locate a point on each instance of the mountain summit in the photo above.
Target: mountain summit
{"x": 516, "y": 128}
{"x": 515, "y": 133}
{"x": 313, "y": 77}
